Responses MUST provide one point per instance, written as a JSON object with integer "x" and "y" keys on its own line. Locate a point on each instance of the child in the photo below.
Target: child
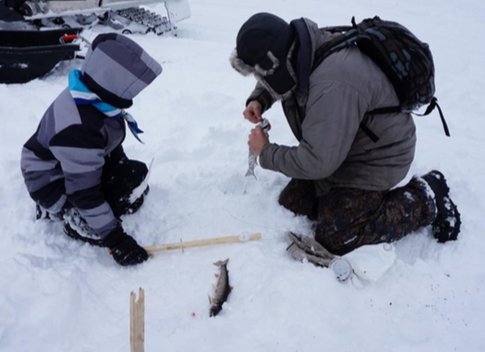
{"x": 74, "y": 165}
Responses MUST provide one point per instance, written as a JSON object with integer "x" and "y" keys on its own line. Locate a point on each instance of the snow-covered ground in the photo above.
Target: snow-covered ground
{"x": 60, "y": 295}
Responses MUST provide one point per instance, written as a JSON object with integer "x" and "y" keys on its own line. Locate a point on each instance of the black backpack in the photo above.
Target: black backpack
{"x": 406, "y": 61}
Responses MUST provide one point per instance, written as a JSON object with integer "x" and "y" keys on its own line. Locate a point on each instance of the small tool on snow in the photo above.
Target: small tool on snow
{"x": 137, "y": 321}
{"x": 305, "y": 248}
{"x": 206, "y": 242}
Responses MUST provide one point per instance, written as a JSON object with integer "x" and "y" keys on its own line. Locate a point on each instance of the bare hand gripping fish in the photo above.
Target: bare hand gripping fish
{"x": 265, "y": 125}
{"x": 222, "y": 289}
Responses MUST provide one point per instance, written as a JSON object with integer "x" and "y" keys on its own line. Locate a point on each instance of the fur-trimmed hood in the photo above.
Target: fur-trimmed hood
{"x": 240, "y": 66}
{"x": 259, "y": 73}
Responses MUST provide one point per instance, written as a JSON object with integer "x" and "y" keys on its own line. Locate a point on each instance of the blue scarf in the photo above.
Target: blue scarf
{"x": 83, "y": 96}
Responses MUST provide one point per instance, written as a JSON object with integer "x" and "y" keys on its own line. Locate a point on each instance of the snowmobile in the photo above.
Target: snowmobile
{"x": 32, "y": 32}
{"x": 123, "y": 15}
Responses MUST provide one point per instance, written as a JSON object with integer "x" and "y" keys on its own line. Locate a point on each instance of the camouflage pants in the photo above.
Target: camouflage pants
{"x": 348, "y": 218}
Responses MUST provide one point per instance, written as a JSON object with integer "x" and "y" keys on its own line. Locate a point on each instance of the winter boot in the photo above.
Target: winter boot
{"x": 124, "y": 205}
{"x": 42, "y": 214}
{"x": 446, "y": 226}
{"x": 75, "y": 226}
{"x": 133, "y": 208}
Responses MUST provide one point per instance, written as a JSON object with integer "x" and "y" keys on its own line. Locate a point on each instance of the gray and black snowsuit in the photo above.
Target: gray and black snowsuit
{"x": 64, "y": 160}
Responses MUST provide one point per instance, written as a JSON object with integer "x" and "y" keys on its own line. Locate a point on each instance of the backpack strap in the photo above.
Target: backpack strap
{"x": 335, "y": 29}
{"x": 378, "y": 111}
{"x": 363, "y": 126}
{"x": 348, "y": 35}
{"x": 386, "y": 110}
{"x": 434, "y": 104}
{"x": 337, "y": 43}
{"x": 395, "y": 109}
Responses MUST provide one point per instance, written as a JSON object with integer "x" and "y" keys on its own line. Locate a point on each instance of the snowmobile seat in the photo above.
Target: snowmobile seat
{"x": 29, "y": 54}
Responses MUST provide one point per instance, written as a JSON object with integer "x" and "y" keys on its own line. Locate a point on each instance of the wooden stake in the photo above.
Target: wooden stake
{"x": 137, "y": 322}
{"x": 206, "y": 242}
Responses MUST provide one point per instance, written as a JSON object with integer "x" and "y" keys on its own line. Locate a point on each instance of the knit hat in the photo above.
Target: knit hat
{"x": 262, "y": 48}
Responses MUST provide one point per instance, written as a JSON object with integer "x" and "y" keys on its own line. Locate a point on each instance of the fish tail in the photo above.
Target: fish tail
{"x": 251, "y": 173}
{"x": 221, "y": 262}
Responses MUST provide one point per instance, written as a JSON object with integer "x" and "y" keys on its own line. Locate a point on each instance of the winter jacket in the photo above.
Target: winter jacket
{"x": 325, "y": 112}
{"x": 64, "y": 158}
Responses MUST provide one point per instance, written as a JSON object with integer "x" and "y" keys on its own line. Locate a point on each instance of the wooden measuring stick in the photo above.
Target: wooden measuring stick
{"x": 137, "y": 321}
{"x": 206, "y": 242}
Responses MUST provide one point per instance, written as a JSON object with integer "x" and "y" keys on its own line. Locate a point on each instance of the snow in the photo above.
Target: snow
{"x": 60, "y": 295}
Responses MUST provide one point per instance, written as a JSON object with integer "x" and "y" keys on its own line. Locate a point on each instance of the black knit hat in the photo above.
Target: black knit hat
{"x": 262, "y": 47}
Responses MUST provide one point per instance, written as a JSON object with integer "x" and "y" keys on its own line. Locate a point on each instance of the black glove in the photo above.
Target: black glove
{"x": 124, "y": 248}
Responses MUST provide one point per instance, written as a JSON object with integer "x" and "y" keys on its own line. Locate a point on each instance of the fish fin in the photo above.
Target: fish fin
{"x": 216, "y": 275}
{"x": 210, "y": 299}
{"x": 230, "y": 288}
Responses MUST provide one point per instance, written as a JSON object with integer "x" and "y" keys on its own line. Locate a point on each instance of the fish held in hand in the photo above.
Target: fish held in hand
{"x": 266, "y": 126}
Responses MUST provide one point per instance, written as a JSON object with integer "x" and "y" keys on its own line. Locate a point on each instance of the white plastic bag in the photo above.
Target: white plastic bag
{"x": 370, "y": 262}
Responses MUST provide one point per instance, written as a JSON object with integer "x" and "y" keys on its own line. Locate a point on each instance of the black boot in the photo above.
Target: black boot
{"x": 75, "y": 226}
{"x": 133, "y": 207}
{"x": 43, "y": 214}
{"x": 119, "y": 181}
{"x": 446, "y": 226}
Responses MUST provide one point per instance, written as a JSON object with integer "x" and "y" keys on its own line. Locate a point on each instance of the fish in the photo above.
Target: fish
{"x": 265, "y": 125}
{"x": 222, "y": 289}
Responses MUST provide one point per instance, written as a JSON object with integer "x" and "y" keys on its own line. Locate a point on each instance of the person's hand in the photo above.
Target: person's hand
{"x": 252, "y": 112}
{"x": 257, "y": 140}
{"x": 124, "y": 249}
